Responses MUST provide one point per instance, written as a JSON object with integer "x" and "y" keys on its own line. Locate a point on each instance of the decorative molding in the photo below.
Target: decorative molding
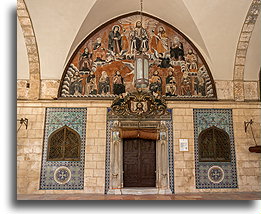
{"x": 32, "y": 50}
{"x": 242, "y": 47}
{"x": 139, "y": 104}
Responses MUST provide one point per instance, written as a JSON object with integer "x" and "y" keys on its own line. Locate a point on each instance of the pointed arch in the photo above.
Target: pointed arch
{"x": 242, "y": 47}
{"x": 32, "y": 50}
{"x": 214, "y": 145}
{"x": 64, "y": 144}
{"x": 175, "y": 62}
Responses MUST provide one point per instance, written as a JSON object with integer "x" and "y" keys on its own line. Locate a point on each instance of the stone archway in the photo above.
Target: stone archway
{"x": 242, "y": 47}
{"x": 32, "y": 50}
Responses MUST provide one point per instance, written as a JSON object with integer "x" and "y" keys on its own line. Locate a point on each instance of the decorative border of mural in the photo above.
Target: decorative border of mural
{"x": 225, "y": 172}
{"x": 109, "y": 126}
{"x": 56, "y": 118}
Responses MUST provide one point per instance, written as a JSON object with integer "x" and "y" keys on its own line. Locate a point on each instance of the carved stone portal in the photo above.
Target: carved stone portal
{"x": 139, "y": 111}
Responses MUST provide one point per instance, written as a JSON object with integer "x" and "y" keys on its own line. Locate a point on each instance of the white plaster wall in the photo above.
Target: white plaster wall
{"x": 22, "y": 58}
{"x": 220, "y": 23}
{"x": 253, "y": 57}
{"x": 56, "y": 23}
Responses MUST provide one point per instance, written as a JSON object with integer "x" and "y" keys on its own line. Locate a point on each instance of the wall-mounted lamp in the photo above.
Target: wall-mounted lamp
{"x": 255, "y": 148}
{"x": 23, "y": 121}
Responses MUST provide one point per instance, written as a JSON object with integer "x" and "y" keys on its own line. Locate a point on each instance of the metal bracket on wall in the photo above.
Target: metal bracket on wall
{"x": 247, "y": 124}
{"x": 23, "y": 121}
{"x": 256, "y": 148}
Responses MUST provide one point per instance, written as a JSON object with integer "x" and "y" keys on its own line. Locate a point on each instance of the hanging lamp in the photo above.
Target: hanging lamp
{"x": 141, "y": 66}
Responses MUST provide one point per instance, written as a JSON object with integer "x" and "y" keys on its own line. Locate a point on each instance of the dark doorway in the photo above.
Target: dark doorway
{"x": 139, "y": 163}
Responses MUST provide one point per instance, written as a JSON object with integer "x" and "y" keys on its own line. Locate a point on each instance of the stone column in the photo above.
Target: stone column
{"x": 115, "y": 177}
{"x": 163, "y": 172}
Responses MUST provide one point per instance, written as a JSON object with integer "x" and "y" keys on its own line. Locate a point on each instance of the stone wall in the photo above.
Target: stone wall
{"x": 95, "y": 150}
{"x": 248, "y": 164}
{"x": 30, "y": 143}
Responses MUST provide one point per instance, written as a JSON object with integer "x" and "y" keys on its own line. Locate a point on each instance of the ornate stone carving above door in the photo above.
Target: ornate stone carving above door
{"x": 139, "y": 104}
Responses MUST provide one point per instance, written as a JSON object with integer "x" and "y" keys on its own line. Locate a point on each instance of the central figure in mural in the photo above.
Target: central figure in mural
{"x": 139, "y": 39}
{"x": 103, "y": 66}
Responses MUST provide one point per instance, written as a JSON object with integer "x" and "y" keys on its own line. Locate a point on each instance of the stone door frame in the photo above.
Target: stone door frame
{"x": 164, "y": 156}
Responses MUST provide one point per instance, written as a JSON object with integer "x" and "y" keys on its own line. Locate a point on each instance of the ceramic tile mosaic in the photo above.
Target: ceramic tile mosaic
{"x": 169, "y": 126}
{"x": 214, "y": 174}
{"x": 63, "y": 175}
{"x": 170, "y": 152}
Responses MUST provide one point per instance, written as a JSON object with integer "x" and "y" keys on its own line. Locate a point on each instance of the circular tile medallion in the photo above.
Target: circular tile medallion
{"x": 62, "y": 175}
{"x": 215, "y": 174}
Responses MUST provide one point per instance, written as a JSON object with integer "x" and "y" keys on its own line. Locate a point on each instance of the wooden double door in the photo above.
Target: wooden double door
{"x": 139, "y": 163}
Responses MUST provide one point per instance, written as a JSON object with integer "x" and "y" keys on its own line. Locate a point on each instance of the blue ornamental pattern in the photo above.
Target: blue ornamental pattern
{"x": 72, "y": 177}
{"x": 62, "y": 175}
{"x": 214, "y": 174}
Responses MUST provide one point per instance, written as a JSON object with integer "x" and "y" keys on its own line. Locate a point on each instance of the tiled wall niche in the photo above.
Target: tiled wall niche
{"x": 71, "y": 171}
{"x": 225, "y": 175}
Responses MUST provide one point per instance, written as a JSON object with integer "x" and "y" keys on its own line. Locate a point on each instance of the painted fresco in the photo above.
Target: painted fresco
{"x": 103, "y": 65}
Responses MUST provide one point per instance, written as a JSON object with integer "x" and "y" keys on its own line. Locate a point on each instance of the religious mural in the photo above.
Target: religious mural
{"x": 103, "y": 65}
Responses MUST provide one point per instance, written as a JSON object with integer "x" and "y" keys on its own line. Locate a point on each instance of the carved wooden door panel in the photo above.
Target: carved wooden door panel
{"x": 139, "y": 163}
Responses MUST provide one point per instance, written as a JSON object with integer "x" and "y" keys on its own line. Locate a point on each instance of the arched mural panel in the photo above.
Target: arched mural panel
{"x": 103, "y": 65}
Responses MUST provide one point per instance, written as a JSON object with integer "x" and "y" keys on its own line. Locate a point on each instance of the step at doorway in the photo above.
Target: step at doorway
{"x": 139, "y": 191}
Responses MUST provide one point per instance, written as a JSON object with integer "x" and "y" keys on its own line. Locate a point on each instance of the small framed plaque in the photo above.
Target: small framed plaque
{"x": 183, "y": 145}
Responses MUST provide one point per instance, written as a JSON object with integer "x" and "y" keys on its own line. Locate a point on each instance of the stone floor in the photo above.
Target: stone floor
{"x": 198, "y": 196}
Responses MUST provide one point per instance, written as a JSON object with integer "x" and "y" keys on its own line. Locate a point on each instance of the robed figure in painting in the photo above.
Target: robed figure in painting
{"x": 91, "y": 87}
{"x": 85, "y": 61}
{"x": 171, "y": 84}
{"x": 118, "y": 84}
{"x": 104, "y": 83}
{"x": 76, "y": 86}
{"x": 176, "y": 49}
{"x": 139, "y": 39}
{"x": 99, "y": 53}
{"x": 191, "y": 60}
{"x": 162, "y": 40}
{"x": 155, "y": 82}
{"x": 115, "y": 40}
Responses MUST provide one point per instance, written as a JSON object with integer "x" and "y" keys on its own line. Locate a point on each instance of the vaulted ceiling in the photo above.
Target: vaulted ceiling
{"x": 213, "y": 26}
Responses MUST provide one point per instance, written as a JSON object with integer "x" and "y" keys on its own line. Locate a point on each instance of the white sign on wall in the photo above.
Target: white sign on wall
{"x": 183, "y": 145}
